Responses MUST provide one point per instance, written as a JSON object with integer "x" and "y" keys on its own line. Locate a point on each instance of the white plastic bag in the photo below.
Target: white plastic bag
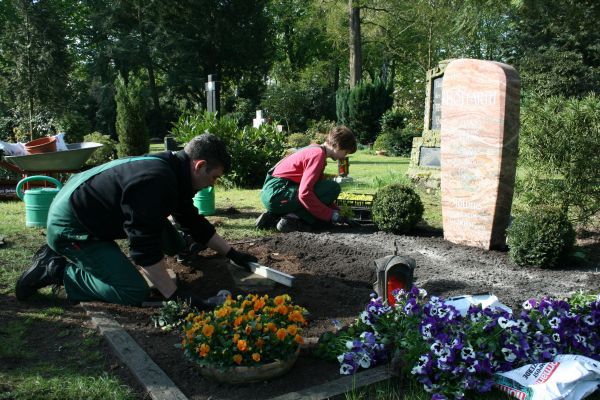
{"x": 60, "y": 142}
{"x": 569, "y": 377}
{"x": 462, "y": 303}
{"x": 13, "y": 149}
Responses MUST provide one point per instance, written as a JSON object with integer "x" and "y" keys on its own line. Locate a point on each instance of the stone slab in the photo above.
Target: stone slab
{"x": 157, "y": 384}
{"x": 479, "y": 139}
{"x": 340, "y": 386}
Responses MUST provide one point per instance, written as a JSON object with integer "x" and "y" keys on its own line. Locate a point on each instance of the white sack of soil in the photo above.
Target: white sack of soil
{"x": 462, "y": 303}
{"x": 569, "y": 377}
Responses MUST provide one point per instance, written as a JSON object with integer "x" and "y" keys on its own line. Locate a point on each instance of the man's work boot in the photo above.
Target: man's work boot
{"x": 47, "y": 268}
{"x": 266, "y": 220}
{"x": 288, "y": 224}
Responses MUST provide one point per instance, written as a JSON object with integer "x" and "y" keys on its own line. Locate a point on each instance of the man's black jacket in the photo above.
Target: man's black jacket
{"x": 133, "y": 201}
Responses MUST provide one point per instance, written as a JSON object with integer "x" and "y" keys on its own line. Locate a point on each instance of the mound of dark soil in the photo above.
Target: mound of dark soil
{"x": 334, "y": 274}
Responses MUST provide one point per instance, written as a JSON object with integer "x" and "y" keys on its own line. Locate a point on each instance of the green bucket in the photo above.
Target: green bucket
{"x": 37, "y": 200}
{"x": 204, "y": 201}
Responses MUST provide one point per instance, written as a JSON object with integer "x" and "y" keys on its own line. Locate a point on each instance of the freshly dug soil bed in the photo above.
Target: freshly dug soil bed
{"x": 334, "y": 275}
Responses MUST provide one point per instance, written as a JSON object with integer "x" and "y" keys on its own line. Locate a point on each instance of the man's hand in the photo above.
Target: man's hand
{"x": 241, "y": 259}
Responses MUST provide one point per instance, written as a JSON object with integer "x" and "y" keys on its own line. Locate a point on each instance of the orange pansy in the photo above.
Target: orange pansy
{"x": 281, "y": 334}
{"x": 279, "y": 300}
{"x": 292, "y": 329}
{"x": 208, "y": 330}
{"x": 242, "y": 345}
{"x": 203, "y": 350}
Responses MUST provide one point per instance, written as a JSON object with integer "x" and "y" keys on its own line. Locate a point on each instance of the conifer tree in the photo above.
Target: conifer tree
{"x": 131, "y": 125}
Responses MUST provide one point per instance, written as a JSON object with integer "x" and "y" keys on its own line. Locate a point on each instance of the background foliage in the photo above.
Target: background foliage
{"x": 560, "y": 155}
{"x": 253, "y": 150}
{"x": 289, "y": 58}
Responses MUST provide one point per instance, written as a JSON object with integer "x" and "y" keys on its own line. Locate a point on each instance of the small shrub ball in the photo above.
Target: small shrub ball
{"x": 397, "y": 208}
{"x": 540, "y": 238}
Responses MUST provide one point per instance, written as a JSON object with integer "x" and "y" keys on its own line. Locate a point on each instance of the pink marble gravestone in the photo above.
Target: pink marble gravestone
{"x": 479, "y": 144}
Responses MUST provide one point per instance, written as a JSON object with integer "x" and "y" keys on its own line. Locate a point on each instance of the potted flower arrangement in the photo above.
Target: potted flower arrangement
{"x": 246, "y": 339}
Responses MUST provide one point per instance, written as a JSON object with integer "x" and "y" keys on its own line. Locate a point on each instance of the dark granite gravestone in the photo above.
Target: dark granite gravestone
{"x": 436, "y": 104}
{"x": 429, "y": 157}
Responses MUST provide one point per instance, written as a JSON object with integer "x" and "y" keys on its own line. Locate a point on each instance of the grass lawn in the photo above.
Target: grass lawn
{"x": 45, "y": 352}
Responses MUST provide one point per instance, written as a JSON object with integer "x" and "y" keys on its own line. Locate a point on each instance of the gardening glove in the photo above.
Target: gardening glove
{"x": 241, "y": 259}
{"x": 336, "y": 218}
{"x": 195, "y": 301}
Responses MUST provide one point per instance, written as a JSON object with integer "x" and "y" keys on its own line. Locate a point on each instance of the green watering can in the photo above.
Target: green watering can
{"x": 37, "y": 200}
{"x": 204, "y": 200}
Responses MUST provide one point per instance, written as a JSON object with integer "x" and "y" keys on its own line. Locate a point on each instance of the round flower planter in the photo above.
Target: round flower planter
{"x": 259, "y": 373}
{"x": 46, "y": 144}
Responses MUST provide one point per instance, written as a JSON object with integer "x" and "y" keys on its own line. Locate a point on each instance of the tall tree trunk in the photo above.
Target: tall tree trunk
{"x": 150, "y": 68}
{"x": 29, "y": 75}
{"x": 355, "y": 44}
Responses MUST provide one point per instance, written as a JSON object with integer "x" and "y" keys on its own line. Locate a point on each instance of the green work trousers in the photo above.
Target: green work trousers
{"x": 280, "y": 196}
{"x": 98, "y": 270}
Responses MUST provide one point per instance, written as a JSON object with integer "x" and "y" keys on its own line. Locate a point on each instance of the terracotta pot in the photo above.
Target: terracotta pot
{"x": 259, "y": 373}
{"x": 46, "y": 144}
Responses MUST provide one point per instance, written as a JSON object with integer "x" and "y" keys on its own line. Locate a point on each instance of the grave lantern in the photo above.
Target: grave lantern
{"x": 344, "y": 167}
{"x": 393, "y": 273}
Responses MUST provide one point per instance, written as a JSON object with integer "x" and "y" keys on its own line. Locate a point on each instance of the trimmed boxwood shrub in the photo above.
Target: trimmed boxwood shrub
{"x": 540, "y": 238}
{"x": 397, "y": 208}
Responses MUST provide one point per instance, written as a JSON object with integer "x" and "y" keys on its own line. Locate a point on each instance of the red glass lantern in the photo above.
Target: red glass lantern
{"x": 344, "y": 167}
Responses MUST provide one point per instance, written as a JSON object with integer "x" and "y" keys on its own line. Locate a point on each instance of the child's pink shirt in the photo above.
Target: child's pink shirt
{"x": 306, "y": 167}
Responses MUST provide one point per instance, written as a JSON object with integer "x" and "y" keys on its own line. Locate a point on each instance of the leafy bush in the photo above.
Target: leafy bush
{"x": 560, "y": 155}
{"x": 131, "y": 114}
{"x": 105, "y": 153}
{"x": 383, "y": 142}
{"x": 397, "y": 132}
{"x": 394, "y": 119}
{"x": 397, "y": 208}
{"x": 298, "y": 140}
{"x": 299, "y": 97}
{"x": 318, "y": 138}
{"x": 75, "y": 126}
{"x": 254, "y": 150}
{"x": 323, "y": 126}
{"x": 540, "y": 238}
{"x": 361, "y": 108}
{"x": 396, "y": 142}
